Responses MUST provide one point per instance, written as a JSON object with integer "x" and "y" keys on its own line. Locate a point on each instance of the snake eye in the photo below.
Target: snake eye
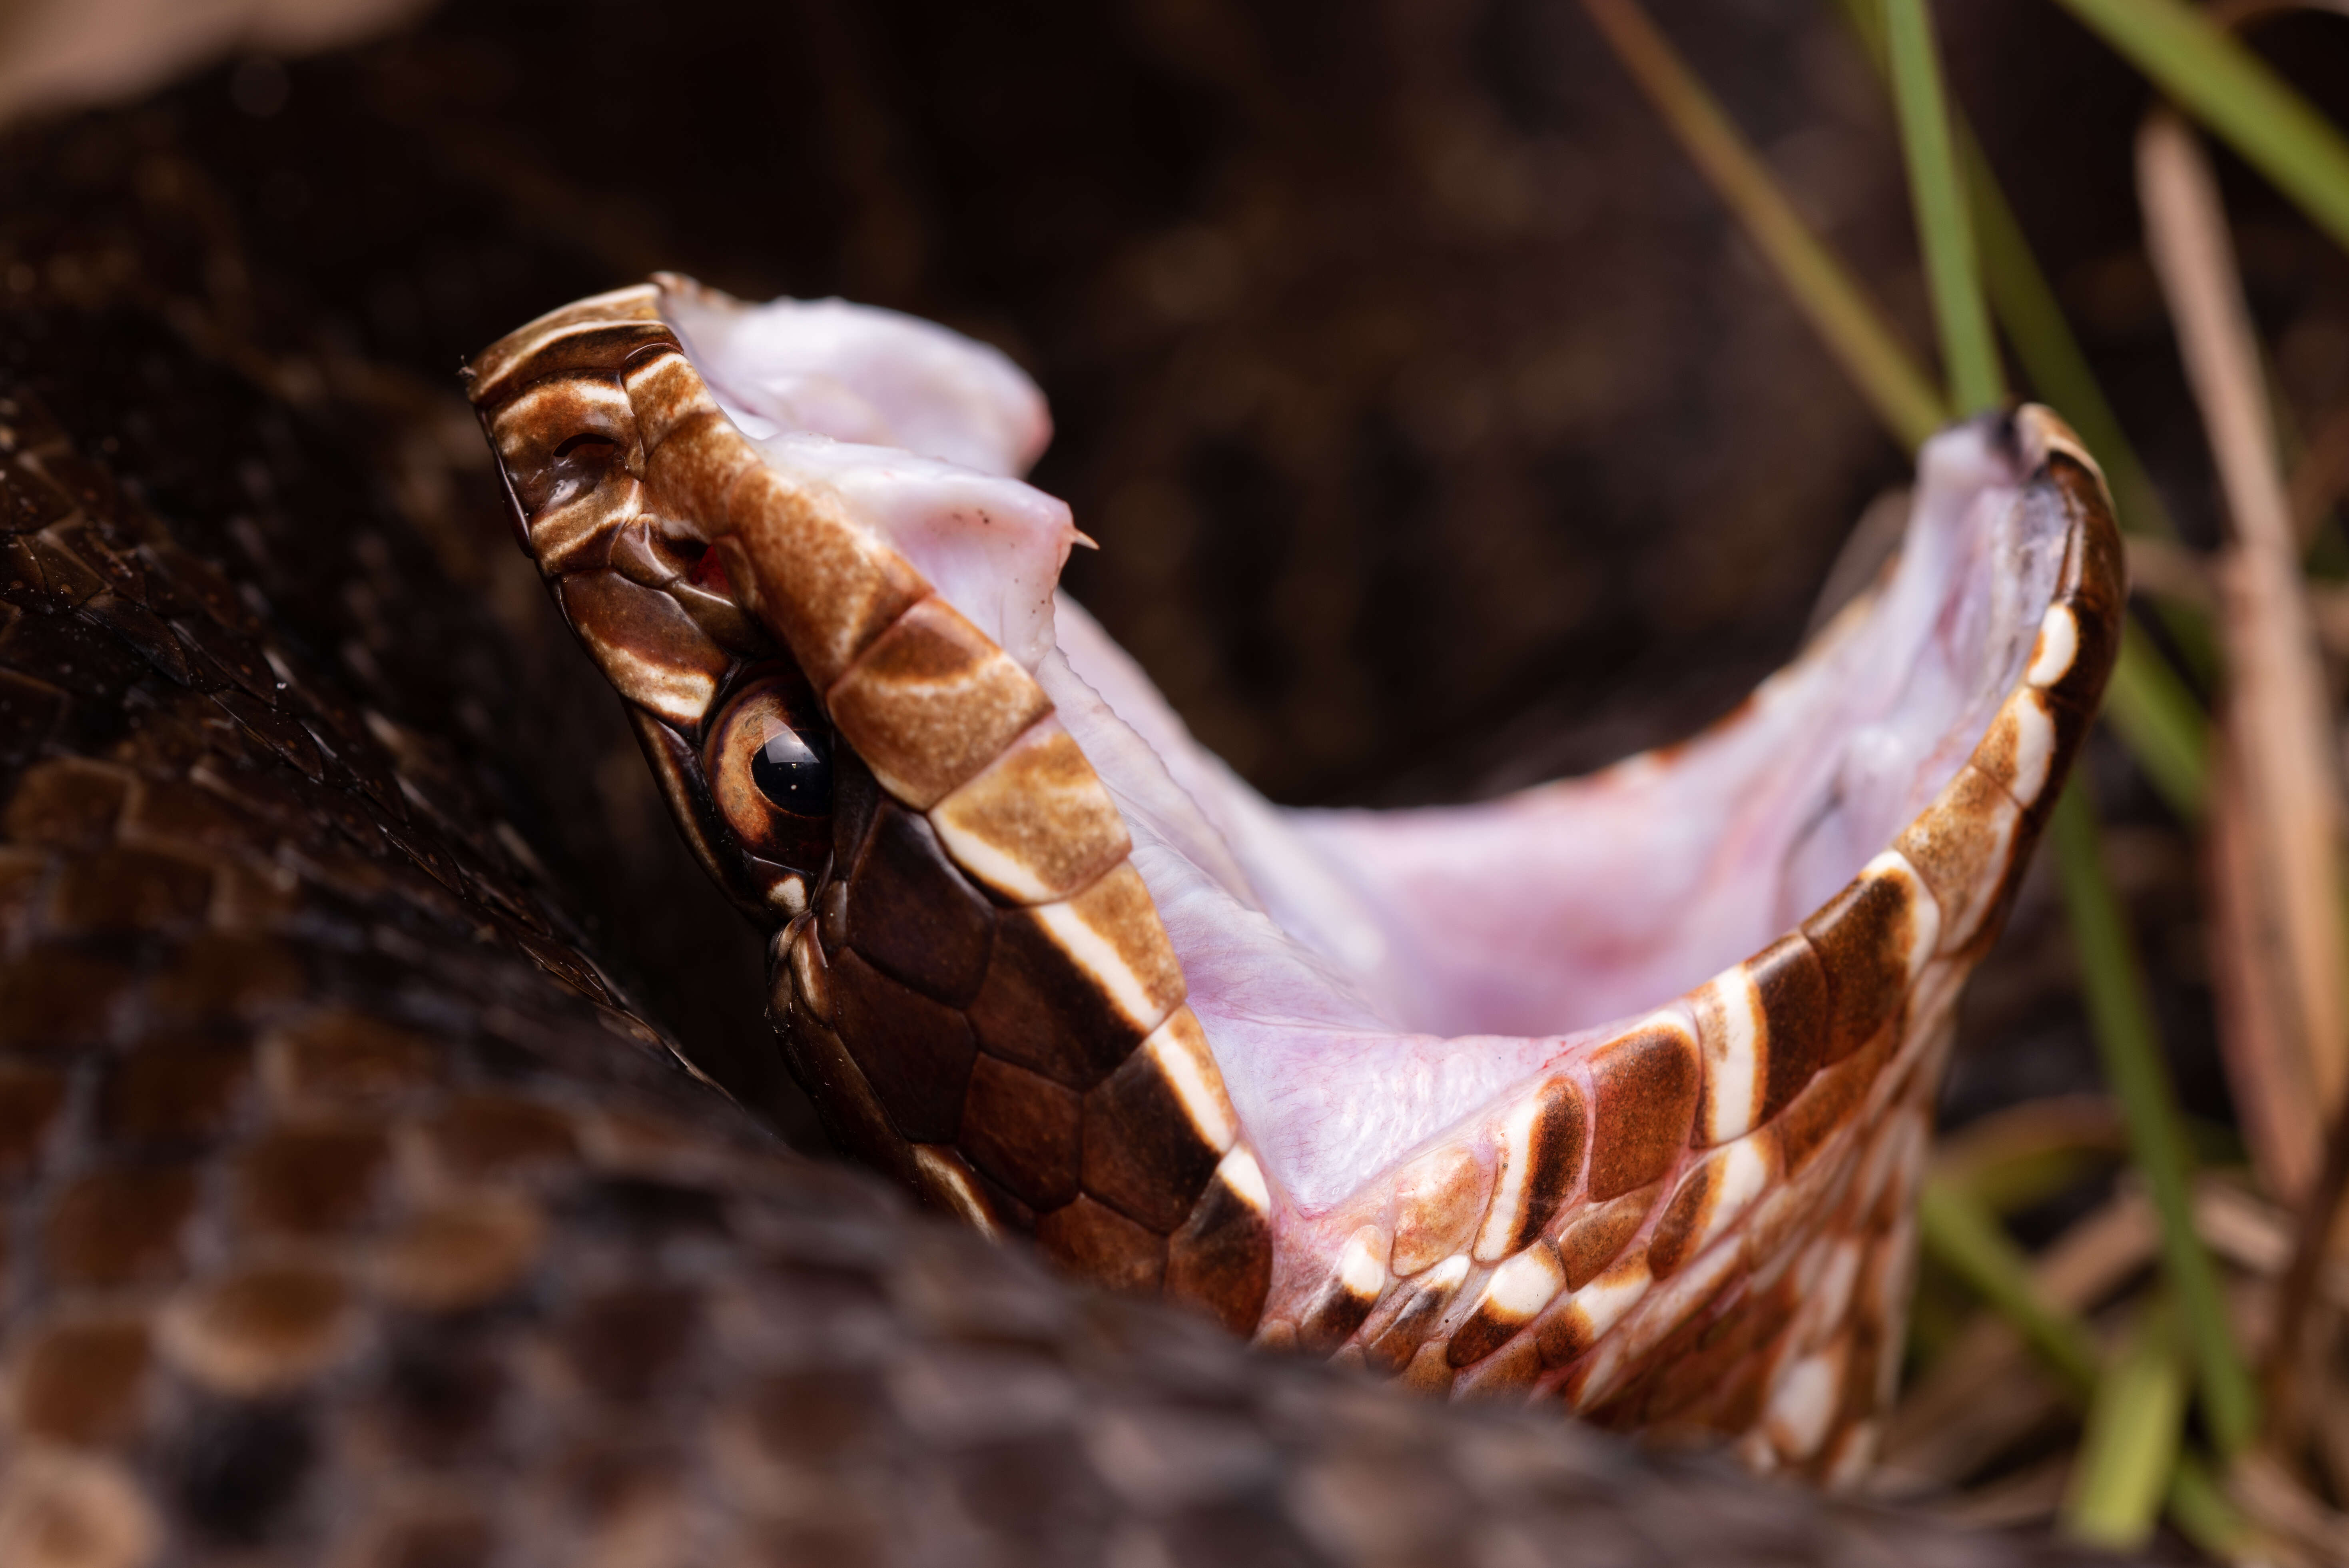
{"x": 793, "y": 775}
{"x": 768, "y": 761}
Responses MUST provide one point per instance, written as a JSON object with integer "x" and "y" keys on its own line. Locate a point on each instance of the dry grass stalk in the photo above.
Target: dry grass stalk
{"x": 2329, "y": 1423}
{"x": 2251, "y": 980}
{"x": 2329, "y": 604}
{"x": 1985, "y": 1393}
{"x": 2281, "y": 1508}
{"x": 2255, "y": 1235}
{"x": 2278, "y": 884}
{"x": 1939, "y": 1443}
{"x": 2305, "y": 1274}
{"x": 1985, "y": 1396}
{"x": 2167, "y": 569}
{"x": 2321, "y": 476}
{"x": 2031, "y": 1133}
{"x": 2028, "y": 1496}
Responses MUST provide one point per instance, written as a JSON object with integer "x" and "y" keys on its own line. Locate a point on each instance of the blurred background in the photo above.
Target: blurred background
{"x": 1441, "y": 429}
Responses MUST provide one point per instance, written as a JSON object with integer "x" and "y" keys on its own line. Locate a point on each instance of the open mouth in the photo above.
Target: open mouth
{"x": 1613, "y": 1091}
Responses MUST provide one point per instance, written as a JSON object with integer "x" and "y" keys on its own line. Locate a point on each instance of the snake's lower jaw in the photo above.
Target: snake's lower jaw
{"x": 1448, "y": 1094}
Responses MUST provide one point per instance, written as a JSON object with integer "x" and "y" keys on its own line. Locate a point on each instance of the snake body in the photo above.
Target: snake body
{"x": 989, "y": 969}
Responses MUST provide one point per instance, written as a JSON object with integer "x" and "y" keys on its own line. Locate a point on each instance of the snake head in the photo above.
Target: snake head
{"x": 1613, "y": 1092}
{"x": 718, "y": 602}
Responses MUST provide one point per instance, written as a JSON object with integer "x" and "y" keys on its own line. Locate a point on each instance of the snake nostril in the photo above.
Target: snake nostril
{"x": 579, "y": 464}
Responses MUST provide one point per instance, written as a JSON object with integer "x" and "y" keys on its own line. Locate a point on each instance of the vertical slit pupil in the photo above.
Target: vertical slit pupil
{"x": 793, "y": 772}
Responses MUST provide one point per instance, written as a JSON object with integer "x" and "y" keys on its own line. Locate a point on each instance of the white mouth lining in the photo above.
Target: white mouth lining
{"x": 1371, "y": 979}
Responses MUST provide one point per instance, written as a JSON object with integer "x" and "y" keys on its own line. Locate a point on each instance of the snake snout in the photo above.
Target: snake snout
{"x": 729, "y": 725}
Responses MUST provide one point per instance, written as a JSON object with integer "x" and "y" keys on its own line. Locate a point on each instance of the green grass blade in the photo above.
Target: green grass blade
{"x": 2114, "y": 986}
{"x": 1856, "y": 330}
{"x": 2203, "y": 1513}
{"x": 2025, "y": 305}
{"x": 2161, "y": 724}
{"x": 2232, "y": 90}
{"x": 2129, "y": 1449}
{"x": 1960, "y": 1231}
{"x": 1866, "y": 19}
{"x": 1965, "y": 1237}
{"x": 1944, "y": 230}
{"x": 2111, "y": 979}
{"x": 2152, "y": 711}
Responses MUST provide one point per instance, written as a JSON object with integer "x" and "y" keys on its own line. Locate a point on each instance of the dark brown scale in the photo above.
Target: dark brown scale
{"x": 1589, "y": 1245}
{"x": 1143, "y": 1155}
{"x": 1392, "y": 1344}
{"x": 1686, "y": 1214}
{"x": 280, "y": 732}
{"x": 85, "y": 1383}
{"x": 174, "y": 1096}
{"x": 1037, "y": 1008}
{"x": 30, "y": 1099}
{"x": 122, "y": 1225}
{"x": 43, "y": 643}
{"x": 1097, "y": 1243}
{"x": 914, "y": 914}
{"x": 313, "y": 1180}
{"x": 1862, "y": 936}
{"x": 139, "y": 626}
{"x": 1330, "y": 1319}
{"x": 1508, "y": 1372}
{"x": 1221, "y": 1260}
{"x": 1023, "y": 1131}
{"x": 2095, "y": 584}
{"x": 915, "y": 1052}
{"x": 1643, "y": 1098}
{"x": 1550, "y": 1164}
{"x": 1693, "y": 1365}
{"x": 1793, "y": 986}
{"x": 225, "y": 656}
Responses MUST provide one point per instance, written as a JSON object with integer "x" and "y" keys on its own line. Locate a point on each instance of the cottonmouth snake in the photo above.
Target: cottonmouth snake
{"x": 353, "y": 1215}
{"x": 1405, "y": 1087}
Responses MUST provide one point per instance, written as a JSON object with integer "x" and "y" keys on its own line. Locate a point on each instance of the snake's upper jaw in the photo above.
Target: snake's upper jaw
{"x": 857, "y": 374}
{"x": 1494, "y": 1097}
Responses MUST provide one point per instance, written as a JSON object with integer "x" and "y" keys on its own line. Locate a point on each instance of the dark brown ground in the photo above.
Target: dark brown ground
{"x": 1439, "y": 431}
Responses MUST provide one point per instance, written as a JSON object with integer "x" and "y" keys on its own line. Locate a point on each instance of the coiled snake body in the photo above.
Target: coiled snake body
{"x": 353, "y": 1216}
